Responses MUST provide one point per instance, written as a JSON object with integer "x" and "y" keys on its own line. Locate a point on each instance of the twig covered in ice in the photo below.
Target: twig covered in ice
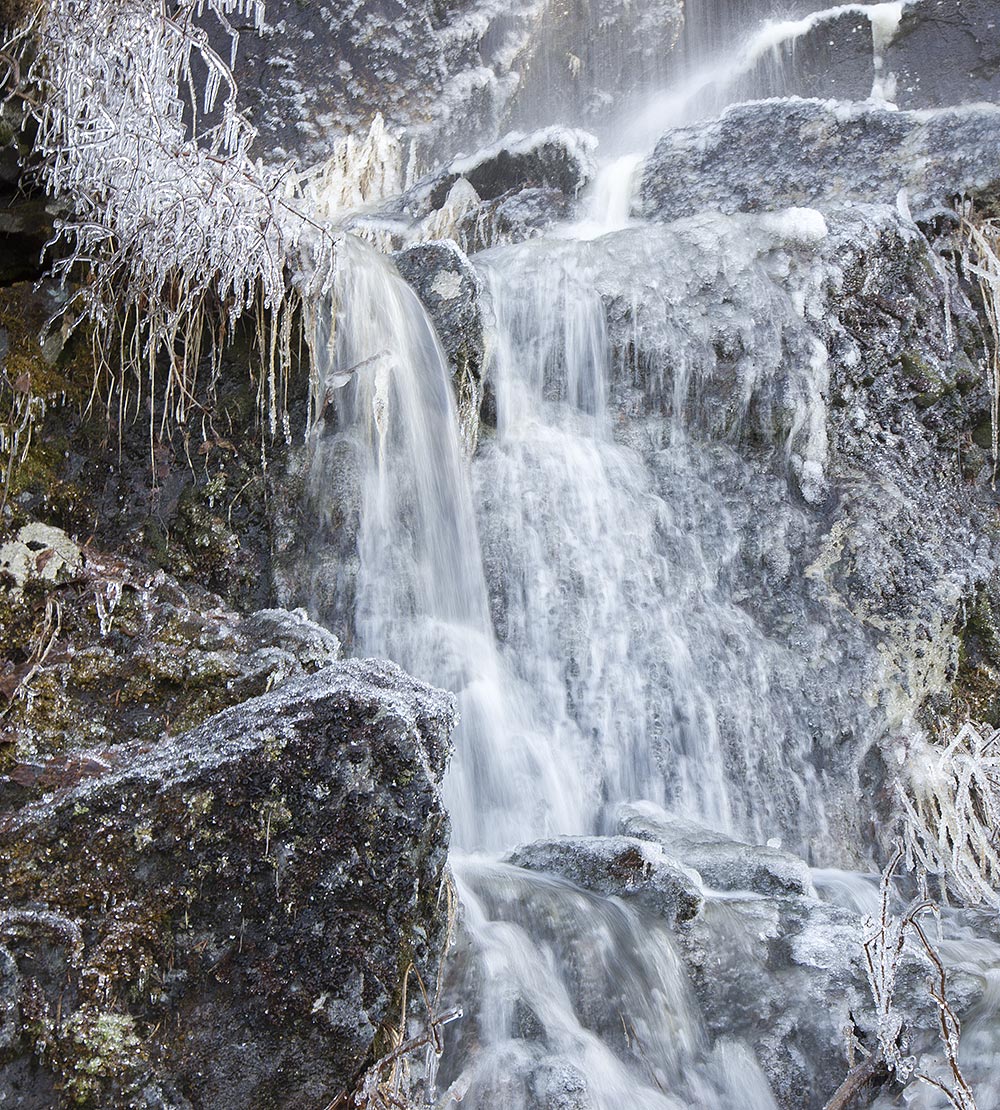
{"x": 175, "y": 231}
{"x": 981, "y": 257}
{"x": 885, "y": 939}
{"x": 950, "y": 801}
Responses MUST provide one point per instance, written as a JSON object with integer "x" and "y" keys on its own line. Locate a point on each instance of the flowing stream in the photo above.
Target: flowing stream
{"x": 582, "y": 588}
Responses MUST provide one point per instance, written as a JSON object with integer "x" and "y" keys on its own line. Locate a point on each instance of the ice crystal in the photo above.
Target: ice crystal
{"x": 950, "y": 797}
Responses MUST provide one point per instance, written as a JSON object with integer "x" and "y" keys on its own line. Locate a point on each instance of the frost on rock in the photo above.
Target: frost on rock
{"x": 773, "y": 153}
{"x": 39, "y": 552}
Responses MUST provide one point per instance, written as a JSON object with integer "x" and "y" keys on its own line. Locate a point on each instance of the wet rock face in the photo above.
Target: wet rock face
{"x": 226, "y": 919}
{"x": 444, "y": 279}
{"x": 587, "y": 59}
{"x": 946, "y": 52}
{"x": 775, "y": 154}
{"x": 325, "y": 67}
{"x": 835, "y": 59}
{"x": 449, "y": 74}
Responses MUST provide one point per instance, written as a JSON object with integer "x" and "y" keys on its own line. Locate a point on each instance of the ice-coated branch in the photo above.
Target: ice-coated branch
{"x": 174, "y": 231}
{"x": 884, "y": 941}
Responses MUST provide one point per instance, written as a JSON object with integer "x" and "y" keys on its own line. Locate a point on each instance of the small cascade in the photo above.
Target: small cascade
{"x": 616, "y": 588}
{"x": 582, "y": 1001}
{"x": 755, "y": 66}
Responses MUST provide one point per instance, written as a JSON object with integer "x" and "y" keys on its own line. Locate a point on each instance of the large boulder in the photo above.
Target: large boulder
{"x": 946, "y": 52}
{"x": 556, "y": 157}
{"x": 773, "y": 154}
{"x": 228, "y": 918}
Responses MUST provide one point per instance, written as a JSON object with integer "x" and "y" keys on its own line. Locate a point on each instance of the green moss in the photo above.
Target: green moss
{"x": 927, "y": 379}
{"x": 98, "y": 1052}
{"x": 976, "y": 691}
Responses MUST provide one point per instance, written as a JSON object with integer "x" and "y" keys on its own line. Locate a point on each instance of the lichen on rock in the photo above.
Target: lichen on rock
{"x": 249, "y": 899}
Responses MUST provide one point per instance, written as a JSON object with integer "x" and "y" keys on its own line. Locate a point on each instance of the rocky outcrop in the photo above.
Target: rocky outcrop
{"x": 97, "y": 650}
{"x": 227, "y": 918}
{"x": 775, "y": 154}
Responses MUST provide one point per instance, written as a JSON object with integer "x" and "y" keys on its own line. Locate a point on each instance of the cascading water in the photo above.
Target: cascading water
{"x": 585, "y": 594}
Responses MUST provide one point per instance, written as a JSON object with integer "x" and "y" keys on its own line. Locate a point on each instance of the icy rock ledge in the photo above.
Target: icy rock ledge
{"x": 722, "y": 863}
{"x": 774, "y": 154}
{"x": 225, "y": 919}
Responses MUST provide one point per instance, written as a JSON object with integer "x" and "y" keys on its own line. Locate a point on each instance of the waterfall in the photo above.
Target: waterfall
{"x": 605, "y": 586}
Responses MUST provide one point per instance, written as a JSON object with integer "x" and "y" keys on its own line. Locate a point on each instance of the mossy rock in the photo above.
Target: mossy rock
{"x": 229, "y": 917}
{"x": 105, "y": 651}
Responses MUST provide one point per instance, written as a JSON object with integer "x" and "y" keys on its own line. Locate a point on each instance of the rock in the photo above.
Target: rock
{"x": 722, "y": 863}
{"x": 782, "y": 975}
{"x": 774, "y": 154}
{"x": 450, "y": 289}
{"x": 834, "y": 59}
{"x": 557, "y": 158}
{"x": 625, "y": 867}
{"x": 10, "y": 147}
{"x": 25, "y": 228}
{"x": 39, "y": 553}
{"x": 97, "y": 650}
{"x": 514, "y": 218}
{"x": 227, "y": 918}
{"x": 779, "y": 976}
{"x": 946, "y": 52}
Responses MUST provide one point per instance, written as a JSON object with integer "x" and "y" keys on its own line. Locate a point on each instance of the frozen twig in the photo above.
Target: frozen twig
{"x": 885, "y": 939}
